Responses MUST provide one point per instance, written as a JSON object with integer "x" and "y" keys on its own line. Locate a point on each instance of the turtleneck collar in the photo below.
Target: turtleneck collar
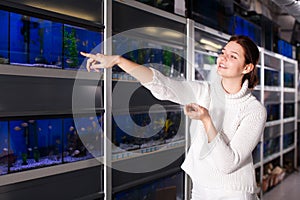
{"x": 239, "y": 96}
{"x": 240, "y": 93}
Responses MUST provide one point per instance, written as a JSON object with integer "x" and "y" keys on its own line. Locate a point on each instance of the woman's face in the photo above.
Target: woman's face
{"x": 231, "y": 61}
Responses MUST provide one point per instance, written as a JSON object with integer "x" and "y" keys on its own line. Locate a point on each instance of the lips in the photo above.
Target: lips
{"x": 221, "y": 65}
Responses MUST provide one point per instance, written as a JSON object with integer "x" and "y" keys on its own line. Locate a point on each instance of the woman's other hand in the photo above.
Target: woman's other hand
{"x": 195, "y": 111}
{"x": 100, "y": 61}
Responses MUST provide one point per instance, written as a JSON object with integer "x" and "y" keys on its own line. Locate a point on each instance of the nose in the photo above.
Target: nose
{"x": 223, "y": 57}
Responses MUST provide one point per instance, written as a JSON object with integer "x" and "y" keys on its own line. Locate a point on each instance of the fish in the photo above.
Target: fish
{"x": 17, "y": 128}
{"x": 24, "y": 124}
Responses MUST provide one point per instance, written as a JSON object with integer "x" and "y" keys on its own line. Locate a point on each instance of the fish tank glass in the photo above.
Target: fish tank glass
{"x": 256, "y": 153}
{"x": 288, "y": 110}
{"x": 4, "y": 46}
{"x": 240, "y": 26}
{"x": 36, "y": 42}
{"x": 170, "y": 187}
{"x": 6, "y": 156}
{"x": 272, "y": 104}
{"x": 168, "y": 5}
{"x": 271, "y": 146}
{"x": 204, "y": 66}
{"x": 272, "y": 77}
{"x": 289, "y": 74}
{"x": 43, "y": 141}
{"x": 285, "y": 48}
{"x": 75, "y": 40}
{"x": 273, "y": 112}
{"x": 271, "y": 140}
{"x": 130, "y": 137}
{"x": 289, "y": 134}
{"x": 83, "y": 138}
{"x": 167, "y": 59}
{"x": 272, "y": 71}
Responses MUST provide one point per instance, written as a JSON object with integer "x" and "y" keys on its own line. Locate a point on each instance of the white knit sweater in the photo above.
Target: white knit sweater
{"x": 226, "y": 162}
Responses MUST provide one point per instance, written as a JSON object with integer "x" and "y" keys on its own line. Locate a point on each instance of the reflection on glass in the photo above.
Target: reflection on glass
{"x": 272, "y": 77}
{"x": 271, "y": 146}
{"x": 38, "y": 142}
{"x": 288, "y": 140}
{"x": 271, "y": 140}
{"x": 289, "y": 134}
{"x": 288, "y": 110}
{"x": 272, "y": 104}
{"x": 273, "y": 112}
{"x": 204, "y": 66}
{"x": 166, "y": 5}
{"x": 171, "y": 187}
{"x": 289, "y": 80}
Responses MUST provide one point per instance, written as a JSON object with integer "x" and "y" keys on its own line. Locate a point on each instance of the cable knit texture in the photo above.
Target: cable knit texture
{"x": 226, "y": 162}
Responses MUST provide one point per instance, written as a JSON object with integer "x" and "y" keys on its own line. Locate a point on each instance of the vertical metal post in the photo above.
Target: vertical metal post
{"x": 190, "y": 31}
{"x": 281, "y": 109}
{"x": 107, "y": 101}
{"x": 262, "y": 99}
{"x": 296, "y": 117}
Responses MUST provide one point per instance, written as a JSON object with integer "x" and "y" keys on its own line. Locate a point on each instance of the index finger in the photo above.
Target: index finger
{"x": 88, "y": 55}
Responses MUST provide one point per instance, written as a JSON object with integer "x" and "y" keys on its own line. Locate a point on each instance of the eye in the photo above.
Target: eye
{"x": 221, "y": 52}
{"x": 233, "y": 57}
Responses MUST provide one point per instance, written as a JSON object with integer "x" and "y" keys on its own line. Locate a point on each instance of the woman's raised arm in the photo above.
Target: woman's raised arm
{"x": 99, "y": 61}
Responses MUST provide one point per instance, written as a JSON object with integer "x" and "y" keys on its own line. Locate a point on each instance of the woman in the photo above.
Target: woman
{"x": 227, "y": 120}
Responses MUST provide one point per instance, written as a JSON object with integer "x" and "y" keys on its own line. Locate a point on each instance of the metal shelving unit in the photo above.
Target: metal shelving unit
{"x": 199, "y": 48}
{"x": 278, "y": 92}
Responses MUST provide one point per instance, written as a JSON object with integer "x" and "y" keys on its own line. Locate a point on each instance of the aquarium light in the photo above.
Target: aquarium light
{"x": 210, "y": 43}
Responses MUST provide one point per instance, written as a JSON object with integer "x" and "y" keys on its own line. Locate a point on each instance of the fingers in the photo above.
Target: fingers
{"x": 192, "y": 107}
{"x": 195, "y": 111}
{"x": 89, "y": 64}
{"x": 92, "y": 60}
{"x": 89, "y": 55}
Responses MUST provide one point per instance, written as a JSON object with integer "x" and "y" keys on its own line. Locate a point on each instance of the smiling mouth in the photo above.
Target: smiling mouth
{"x": 222, "y": 66}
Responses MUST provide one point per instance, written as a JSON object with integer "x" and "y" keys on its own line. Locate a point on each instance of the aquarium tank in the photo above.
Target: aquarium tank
{"x": 285, "y": 48}
{"x": 240, "y": 26}
{"x": 42, "y": 141}
{"x": 37, "y": 42}
{"x": 169, "y": 187}
{"x": 7, "y": 157}
{"x": 4, "y": 15}
{"x": 166, "y": 131}
{"x": 167, "y": 59}
{"x": 75, "y": 40}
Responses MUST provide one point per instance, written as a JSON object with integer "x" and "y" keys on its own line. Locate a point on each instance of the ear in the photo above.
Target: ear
{"x": 248, "y": 68}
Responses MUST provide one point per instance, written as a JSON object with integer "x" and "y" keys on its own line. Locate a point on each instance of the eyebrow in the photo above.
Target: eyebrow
{"x": 235, "y": 52}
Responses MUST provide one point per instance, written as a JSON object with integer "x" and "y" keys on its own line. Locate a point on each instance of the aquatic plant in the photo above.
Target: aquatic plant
{"x": 70, "y": 48}
{"x": 36, "y": 154}
{"x": 24, "y": 159}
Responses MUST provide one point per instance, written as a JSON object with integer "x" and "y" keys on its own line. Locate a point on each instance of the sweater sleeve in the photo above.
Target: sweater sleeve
{"x": 230, "y": 156}
{"x": 177, "y": 91}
